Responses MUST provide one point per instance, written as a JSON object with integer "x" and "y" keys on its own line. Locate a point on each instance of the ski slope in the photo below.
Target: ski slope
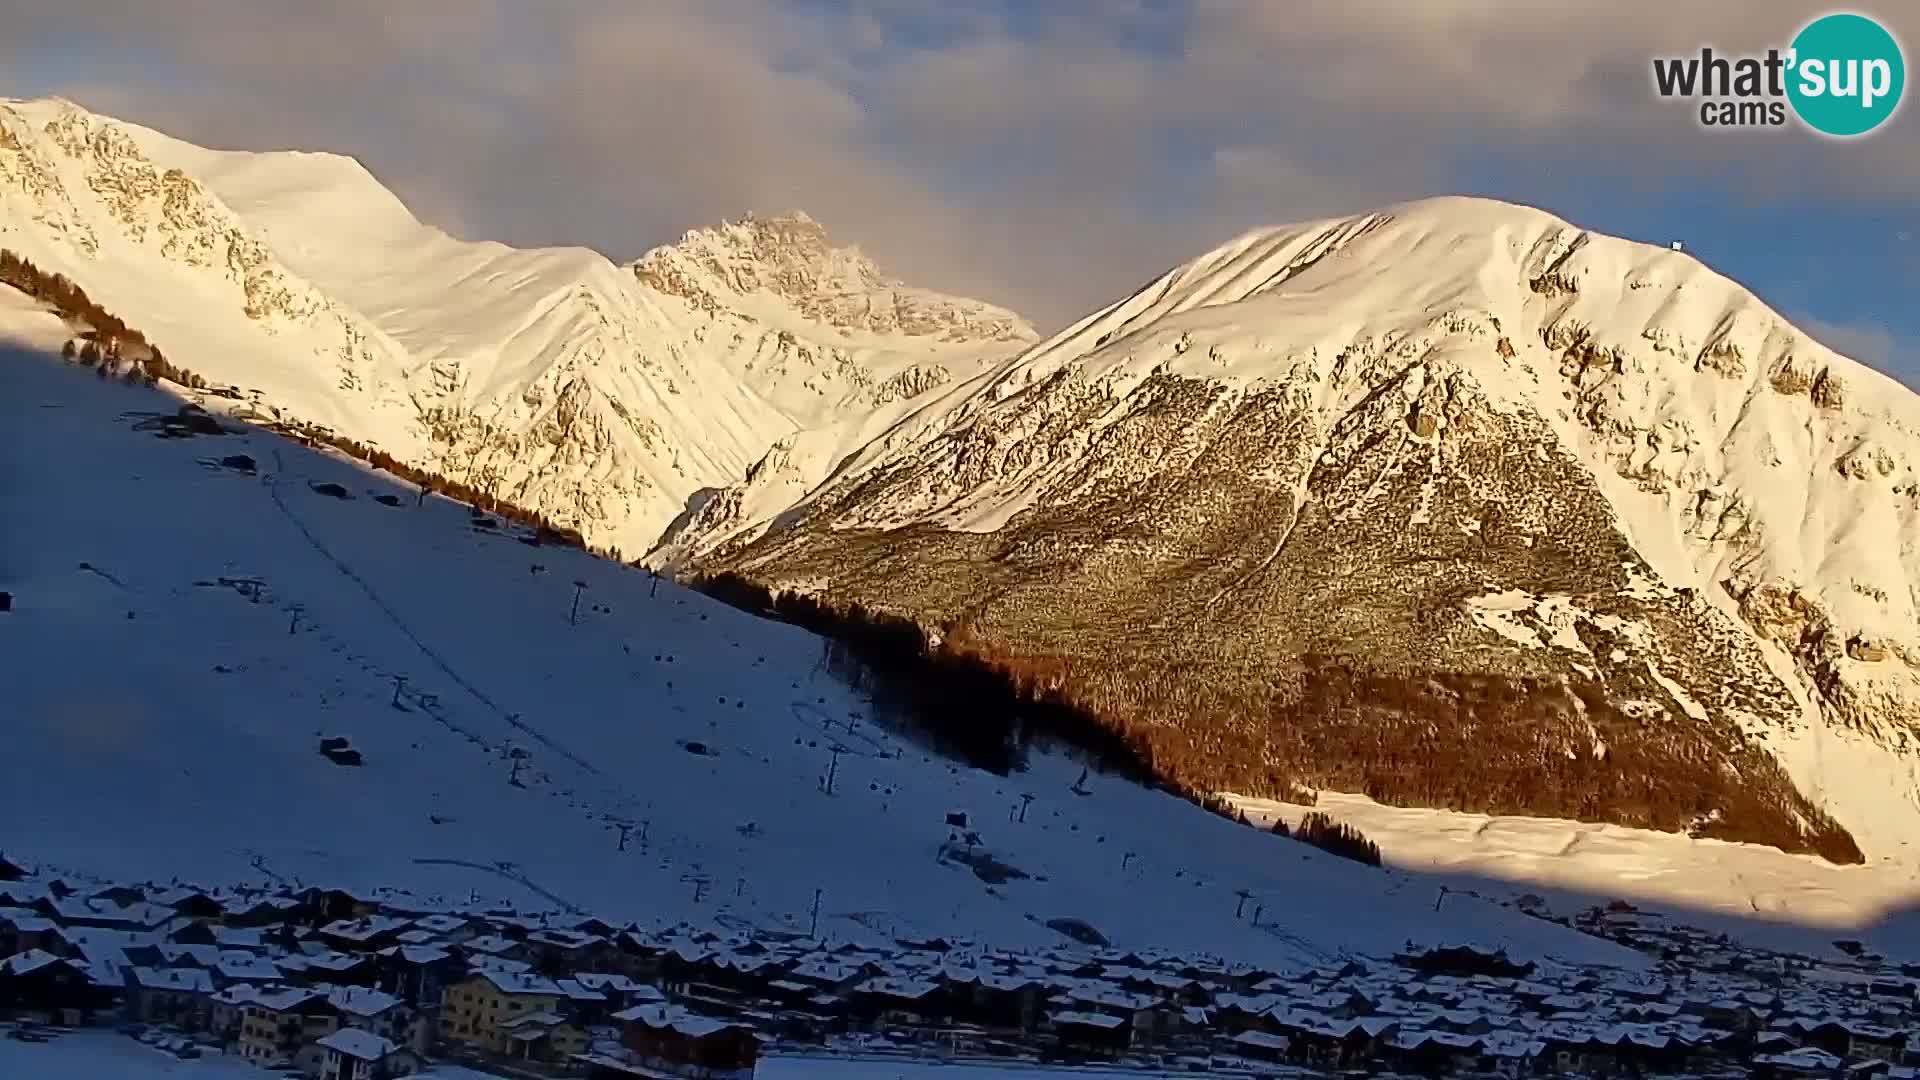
{"x": 165, "y": 724}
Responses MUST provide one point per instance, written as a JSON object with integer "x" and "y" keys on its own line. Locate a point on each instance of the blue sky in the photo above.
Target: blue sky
{"x": 1042, "y": 154}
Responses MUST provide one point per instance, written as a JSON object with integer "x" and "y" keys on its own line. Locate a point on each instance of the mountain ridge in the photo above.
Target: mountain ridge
{"x": 553, "y": 378}
{"x": 1370, "y": 365}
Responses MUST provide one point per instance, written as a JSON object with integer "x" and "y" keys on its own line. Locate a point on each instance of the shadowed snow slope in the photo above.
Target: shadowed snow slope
{"x": 1452, "y": 449}
{"x": 164, "y": 717}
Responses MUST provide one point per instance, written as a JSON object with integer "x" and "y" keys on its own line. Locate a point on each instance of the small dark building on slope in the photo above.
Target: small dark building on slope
{"x": 680, "y": 1043}
{"x": 1464, "y": 961}
{"x": 340, "y": 751}
{"x": 1082, "y": 1036}
{"x": 42, "y": 982}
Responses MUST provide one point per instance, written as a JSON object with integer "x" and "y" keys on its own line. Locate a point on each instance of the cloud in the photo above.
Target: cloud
{"x": 1869, "y": 342}
{"x": 1046, "y": 160}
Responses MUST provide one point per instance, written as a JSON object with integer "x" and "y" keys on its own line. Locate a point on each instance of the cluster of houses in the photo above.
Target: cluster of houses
{"x": 338, "y": 985}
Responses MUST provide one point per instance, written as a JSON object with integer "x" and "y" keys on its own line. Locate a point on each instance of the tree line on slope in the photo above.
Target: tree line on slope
{"x": 1471, "y": 742}
{"x": 1468, "y": 742}
{"x": 987, "y": 713}
{"x": 945, "y": 699}
{"x": 111, "y": 346}
{"x": 1329, "y": 835}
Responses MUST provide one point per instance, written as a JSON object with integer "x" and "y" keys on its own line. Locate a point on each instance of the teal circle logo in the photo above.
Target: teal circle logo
{"x": 1847, "y": 75}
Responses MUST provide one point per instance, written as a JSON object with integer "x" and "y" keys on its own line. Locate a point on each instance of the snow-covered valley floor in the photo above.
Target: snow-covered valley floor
{"x": 1757, "y": 893}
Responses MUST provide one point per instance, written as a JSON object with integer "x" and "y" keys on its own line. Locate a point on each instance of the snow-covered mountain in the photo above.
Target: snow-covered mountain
{"x": 1455, "y": 504}
{"x": 1452, "y": 505}
{"x": 601, "y": 396}
{"x": 191, "y": 616}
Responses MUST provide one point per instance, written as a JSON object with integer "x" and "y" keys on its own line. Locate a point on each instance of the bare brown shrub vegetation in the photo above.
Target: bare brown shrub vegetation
{"x": 1479, "y": 743}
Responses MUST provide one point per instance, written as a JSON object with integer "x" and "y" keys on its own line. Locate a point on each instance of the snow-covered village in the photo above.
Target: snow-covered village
{"x": 335, "y": 984}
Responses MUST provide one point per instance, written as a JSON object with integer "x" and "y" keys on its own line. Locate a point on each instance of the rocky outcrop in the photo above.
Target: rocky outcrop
{"x": 170, "y": 209}
{"x": 1791, "y": 377}
{"x": 1870, "y": 650}
{"x": 1867, "y": 461}
{"x": 790, "y": 256}
{"x": 1829, "y": 389}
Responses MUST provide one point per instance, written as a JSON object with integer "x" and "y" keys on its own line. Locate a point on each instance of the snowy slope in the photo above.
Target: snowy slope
{"x": 78, "y": 196}
{"x": 1391, "y": 387}
{"x": 1758, "y": 894}
{"x": 96, "y": 1054}
{"x": 163, "y": 721}
{"x": 602, "y": 396}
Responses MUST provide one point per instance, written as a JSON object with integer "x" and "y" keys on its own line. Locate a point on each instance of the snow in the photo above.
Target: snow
{"x": 1723, "y": 466}
{"x": 356, "y": 1043}
{"x": 568, "y": 378}
{"x": 674, "y": 1018}
{"x": 98, "y": 1055}
{"x": 195, "y": 980}
{"x": 24, "y": 324}
{"x": 521, "y": 983}
{"x": 1086, "y": 1019}
{"x": 1755, "y": 893}
{"x": 197, "y": 757}
{"x": 779, "y": 1067}
{"x": 29, "y": 961}
{"x": 1457, "y": 267}
{"x": 660, "y": 396}
{"x": 361, "y": 1001}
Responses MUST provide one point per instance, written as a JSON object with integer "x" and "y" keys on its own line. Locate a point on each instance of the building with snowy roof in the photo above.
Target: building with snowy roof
{"x": 357, "y": 1054}
{"x": 477, "y": 1009}
{"x": 180, "y": 996}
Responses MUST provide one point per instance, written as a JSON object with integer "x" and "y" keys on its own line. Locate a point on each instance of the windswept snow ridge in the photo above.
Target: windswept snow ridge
{"x": 601, "y": 396}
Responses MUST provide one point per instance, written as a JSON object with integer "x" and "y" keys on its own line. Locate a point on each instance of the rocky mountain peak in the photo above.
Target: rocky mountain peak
{"x": 790, "y": 257}
{"x": 795, "y": 237}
